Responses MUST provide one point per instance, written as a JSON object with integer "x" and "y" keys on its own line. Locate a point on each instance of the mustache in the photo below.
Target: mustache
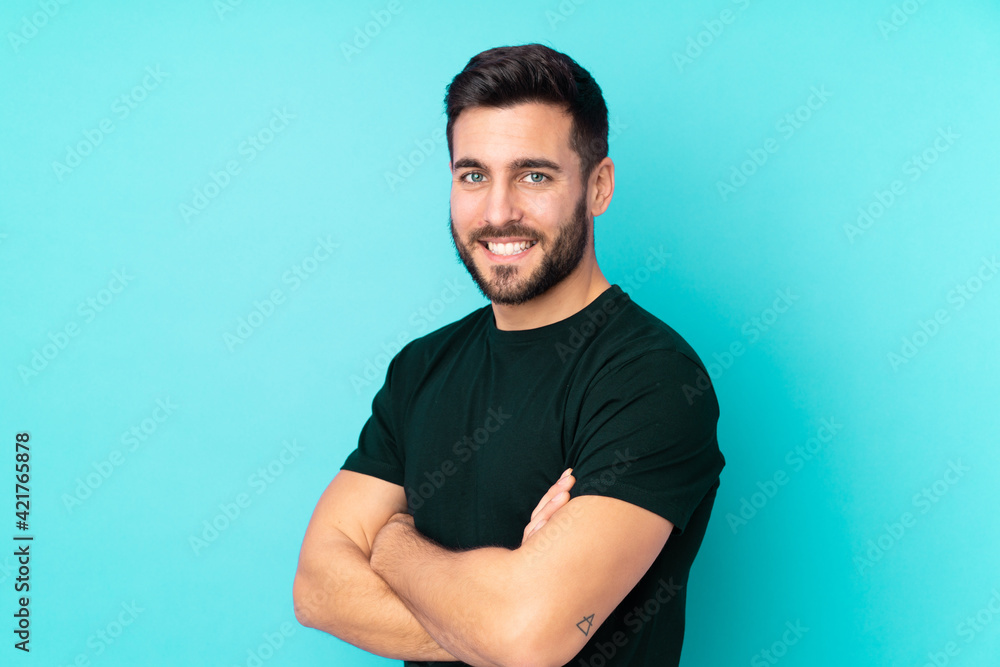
{"x": 513, "y": 231}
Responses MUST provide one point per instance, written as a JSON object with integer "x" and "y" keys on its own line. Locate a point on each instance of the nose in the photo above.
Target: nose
{"x": 501, "y": 205}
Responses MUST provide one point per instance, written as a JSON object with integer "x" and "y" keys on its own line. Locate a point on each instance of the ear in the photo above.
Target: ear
{"x": 601, "y": 186}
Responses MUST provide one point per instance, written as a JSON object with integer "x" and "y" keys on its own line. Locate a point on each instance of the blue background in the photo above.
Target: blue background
{"x": 359, "y": 160}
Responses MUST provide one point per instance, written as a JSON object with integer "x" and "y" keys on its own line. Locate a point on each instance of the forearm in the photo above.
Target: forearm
{"x": 470, "y": 602}
{"x": 340, "y": 594}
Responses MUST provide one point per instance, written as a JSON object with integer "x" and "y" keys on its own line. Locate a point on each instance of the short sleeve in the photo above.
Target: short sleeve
{"x": 647, "y": 435}
{"x": 378, "y": 453}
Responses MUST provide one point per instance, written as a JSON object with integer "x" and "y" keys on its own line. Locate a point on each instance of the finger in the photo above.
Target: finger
{"x": 533, "y": 528}
{"x": 549, "y": 509}
{"x": 533, "y": 531}
{"x": 560, "y": 485}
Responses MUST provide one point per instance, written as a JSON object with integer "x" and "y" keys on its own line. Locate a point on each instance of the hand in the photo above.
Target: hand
{"x": 554, "y": 498}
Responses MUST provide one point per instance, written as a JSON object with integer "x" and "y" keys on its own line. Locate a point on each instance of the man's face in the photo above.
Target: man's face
{"x": 519, "y": 217}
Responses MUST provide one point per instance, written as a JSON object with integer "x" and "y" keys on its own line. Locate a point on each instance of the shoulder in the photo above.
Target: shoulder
{"x": 423, "y": 350}
{"x": 637, "y": 340}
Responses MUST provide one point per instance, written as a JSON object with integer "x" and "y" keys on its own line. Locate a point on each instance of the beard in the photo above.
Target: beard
{"x": 505, "y": 285}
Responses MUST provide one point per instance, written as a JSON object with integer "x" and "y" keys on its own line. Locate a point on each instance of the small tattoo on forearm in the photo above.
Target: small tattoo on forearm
{"x": 585, "y": 624}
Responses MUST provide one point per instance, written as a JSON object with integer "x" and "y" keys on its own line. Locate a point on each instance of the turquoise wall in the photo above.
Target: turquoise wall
{"x": 219, "y": 219}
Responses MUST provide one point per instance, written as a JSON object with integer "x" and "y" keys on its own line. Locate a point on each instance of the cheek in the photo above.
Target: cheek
{"x": 463, "y": 209}
{"x": 543, "y": 207}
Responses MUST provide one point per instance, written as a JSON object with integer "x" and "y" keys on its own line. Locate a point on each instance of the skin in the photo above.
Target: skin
{"x": 365, "y": 573}
{"x": 351, "y": 601}
{"x": 498, "y": 198}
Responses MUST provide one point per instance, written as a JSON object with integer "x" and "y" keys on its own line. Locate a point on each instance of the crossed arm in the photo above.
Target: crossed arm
{"x": 368, "y": 576}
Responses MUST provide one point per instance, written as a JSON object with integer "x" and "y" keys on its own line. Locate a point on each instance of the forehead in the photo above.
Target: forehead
{"x": 487, "y": 133}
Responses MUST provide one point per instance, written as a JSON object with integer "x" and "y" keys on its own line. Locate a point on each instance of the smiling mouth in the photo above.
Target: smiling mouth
{"x": 508, "y": 249}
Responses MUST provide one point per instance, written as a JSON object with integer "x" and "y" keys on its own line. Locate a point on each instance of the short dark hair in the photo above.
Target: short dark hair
{"x": 509, "y": 75}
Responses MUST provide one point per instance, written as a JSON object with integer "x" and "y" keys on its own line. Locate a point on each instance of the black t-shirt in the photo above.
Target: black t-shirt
{"x": 476, "y": 423}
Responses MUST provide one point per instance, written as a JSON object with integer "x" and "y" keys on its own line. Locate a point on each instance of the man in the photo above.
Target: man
{"x": 536, "y": 478}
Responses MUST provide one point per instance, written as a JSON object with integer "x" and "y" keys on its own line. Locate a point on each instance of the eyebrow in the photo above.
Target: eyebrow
{"x": 514, "y": 165}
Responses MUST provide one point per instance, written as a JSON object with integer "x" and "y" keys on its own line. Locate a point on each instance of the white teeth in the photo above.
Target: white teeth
{"x": 509, "y": 248}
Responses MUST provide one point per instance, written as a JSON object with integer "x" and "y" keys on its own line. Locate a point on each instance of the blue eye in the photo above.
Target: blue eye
{"x": 535, "y": 177}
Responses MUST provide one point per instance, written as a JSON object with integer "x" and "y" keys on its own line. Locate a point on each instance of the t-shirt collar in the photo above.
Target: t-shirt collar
{"x": 556, "y": 330}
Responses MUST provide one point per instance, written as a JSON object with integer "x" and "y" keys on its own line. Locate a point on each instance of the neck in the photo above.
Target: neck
{"x": 570, "y": 296}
